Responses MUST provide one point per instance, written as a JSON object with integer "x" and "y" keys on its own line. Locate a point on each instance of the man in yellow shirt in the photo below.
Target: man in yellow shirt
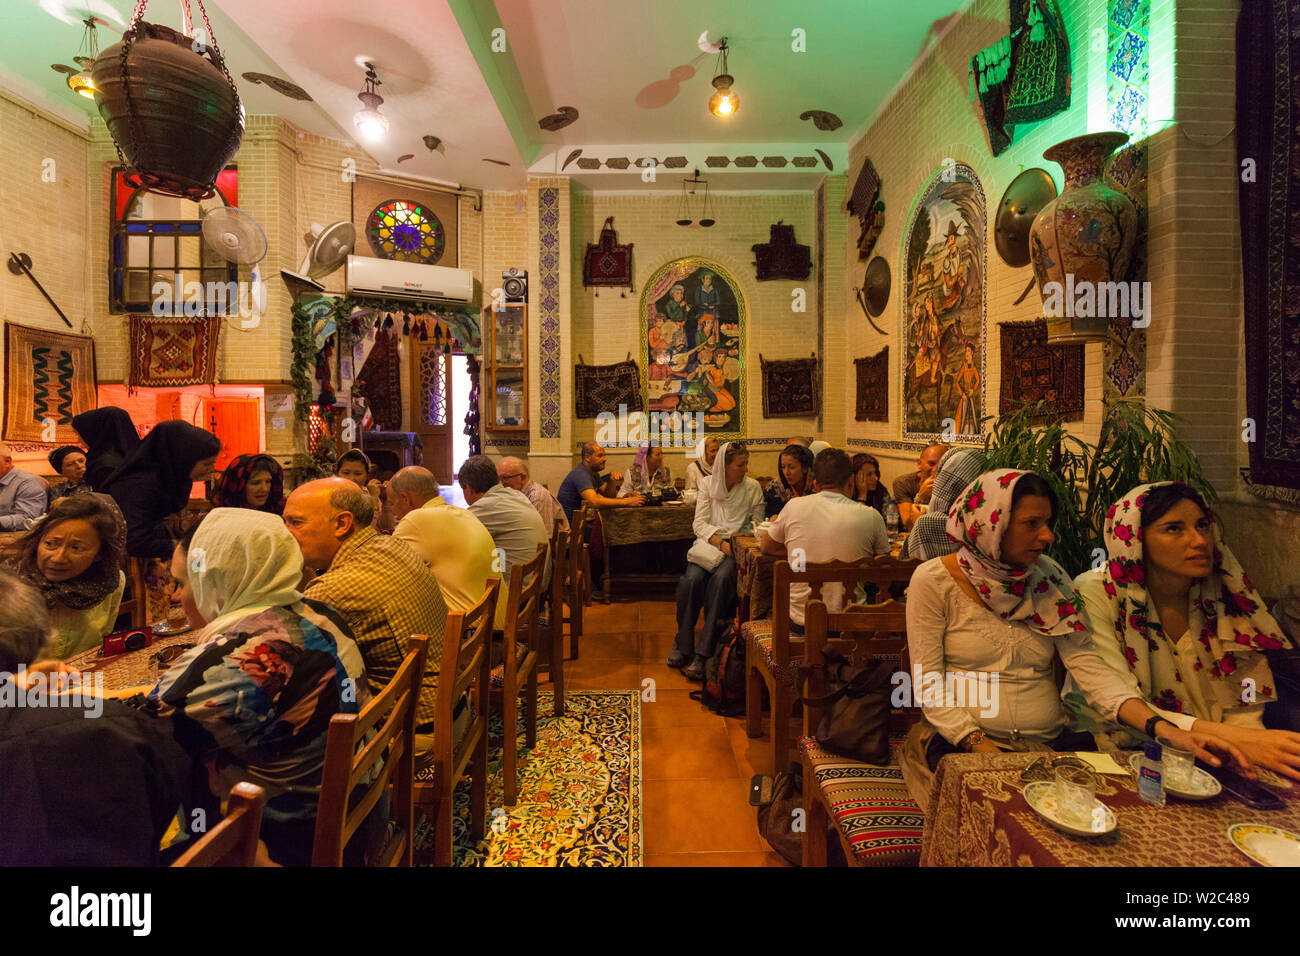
{"x": 454, "y": 544}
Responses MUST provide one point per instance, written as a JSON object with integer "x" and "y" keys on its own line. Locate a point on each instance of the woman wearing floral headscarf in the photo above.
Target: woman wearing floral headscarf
{"x": 647, "y": 475}
{"x": 999, "y": 606}
{"x": 251, "y": 481}
{"x": 1176, "y": 616}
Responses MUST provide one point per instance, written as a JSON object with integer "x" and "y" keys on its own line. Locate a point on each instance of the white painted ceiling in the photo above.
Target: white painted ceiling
{"x": 634, "y": 70}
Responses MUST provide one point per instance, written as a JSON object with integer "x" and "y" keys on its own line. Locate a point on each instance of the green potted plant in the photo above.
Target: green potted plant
{"x": 1136, "y": 444}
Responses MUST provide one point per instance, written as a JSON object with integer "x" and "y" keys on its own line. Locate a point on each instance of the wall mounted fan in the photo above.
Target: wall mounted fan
{"x": 236, "y": 236}
{"x": 330, "y": 247}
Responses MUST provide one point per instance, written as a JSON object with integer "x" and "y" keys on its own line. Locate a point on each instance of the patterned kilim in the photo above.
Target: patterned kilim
{"x": 1033, "y": 370}
{"x": 603, "y": 388}
{"x": 790, "y": 388}
{"x": 607, "y": 262}
{"x": 49, "y": 376}
{"x": 579, "y": 793}
{"x": 379, "y": 381}
{"x": 1268, "y": 144}
{"x": 873, "y": 387}
{"x": 172, "y": 352}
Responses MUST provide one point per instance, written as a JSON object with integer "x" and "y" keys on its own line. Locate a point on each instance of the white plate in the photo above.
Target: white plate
{"x": 1041, "y": 797}
{"x": 1204, "y": 786}
{"x": 1267, "y": 846}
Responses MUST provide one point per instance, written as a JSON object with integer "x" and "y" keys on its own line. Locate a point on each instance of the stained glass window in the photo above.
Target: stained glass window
{"x": 406, "y": 231}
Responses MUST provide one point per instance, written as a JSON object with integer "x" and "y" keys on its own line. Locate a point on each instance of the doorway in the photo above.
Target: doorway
{"x": 440, "y": 400}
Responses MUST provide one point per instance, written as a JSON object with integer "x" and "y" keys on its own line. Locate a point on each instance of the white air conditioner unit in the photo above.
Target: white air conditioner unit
{"x": 389, "y": 279}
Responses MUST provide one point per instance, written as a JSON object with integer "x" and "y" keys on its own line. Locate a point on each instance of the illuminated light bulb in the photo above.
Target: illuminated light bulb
{"x": 371, "y": 124}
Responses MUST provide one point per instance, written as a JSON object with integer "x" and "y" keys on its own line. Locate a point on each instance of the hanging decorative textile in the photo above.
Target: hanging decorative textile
{"x": 49, "y": 376}
{"x": 873, "y": 387}
{"x": 865, "y": 204}
{"x": 172, "y": 352}
{"x": 781, "y": 257}
{"x": 1025, "y": 76}
{"x": 604, "y": 388}
{"x": 1032, "y": 371}
{"x": 607, "y": 263}
{"x": 472, "y": 416}
{"x": 1268, "y": 142}
{"x": 790, "y": 388}
{"x": 379, "y": 382}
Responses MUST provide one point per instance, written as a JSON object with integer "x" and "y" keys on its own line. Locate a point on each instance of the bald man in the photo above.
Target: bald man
{"x": 452, "y": 541}
{"x": 22, "y": 494}
{"x": 513, "y": 473}
{"x": 379, "y": 586}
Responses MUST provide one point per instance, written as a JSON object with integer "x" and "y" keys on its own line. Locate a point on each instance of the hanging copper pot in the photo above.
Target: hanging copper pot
{"x": 174, "y": 113}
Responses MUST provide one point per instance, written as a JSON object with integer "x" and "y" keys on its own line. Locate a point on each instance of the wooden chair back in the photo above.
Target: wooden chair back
{"x": 579, "y": 564}
{"x": 233, "y": 841}
{"x": 523, "y": 601}
{"x": 859, "y": 627}
{"x": 881, "y": 571}
{"x": 391, "y": 714}
{"x": 559, "y": 571}
{"x": 466, "y": 662}
{"x": 135, "y": 599}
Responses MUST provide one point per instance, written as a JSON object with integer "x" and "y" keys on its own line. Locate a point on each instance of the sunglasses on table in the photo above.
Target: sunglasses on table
{"x": 169, "y": 655}
{"x": 1045, "y": 767}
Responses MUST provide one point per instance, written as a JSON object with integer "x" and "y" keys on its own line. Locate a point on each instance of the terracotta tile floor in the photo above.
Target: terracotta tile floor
{"x": 696, "y": 766}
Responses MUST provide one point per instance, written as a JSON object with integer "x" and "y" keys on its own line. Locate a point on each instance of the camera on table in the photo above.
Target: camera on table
{"x": 124, "y": 641}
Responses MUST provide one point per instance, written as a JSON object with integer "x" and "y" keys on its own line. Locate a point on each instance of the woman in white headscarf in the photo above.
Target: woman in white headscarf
{"x": 730, "y": 502}
{"x": 702, "y": 466}
{"x": 253, "y": 698}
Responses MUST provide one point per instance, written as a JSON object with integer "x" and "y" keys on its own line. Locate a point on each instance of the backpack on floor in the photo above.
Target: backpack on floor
{"x": 724, "y": 676}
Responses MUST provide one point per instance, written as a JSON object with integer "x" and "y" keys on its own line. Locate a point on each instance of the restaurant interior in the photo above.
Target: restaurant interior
{"x": 556, "y": 433}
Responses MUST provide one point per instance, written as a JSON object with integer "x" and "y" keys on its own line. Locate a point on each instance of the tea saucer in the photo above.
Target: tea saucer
{"x": 163, "y": 629}
{"x": 1203, "y": 786}
{"x": 1267, "y": 846}
{"x": 1041, "y": 797}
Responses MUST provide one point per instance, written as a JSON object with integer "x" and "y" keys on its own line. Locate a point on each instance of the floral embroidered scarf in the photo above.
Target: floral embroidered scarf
{"x": 1235, "y": 622}
{"x": 1041, "y": 595}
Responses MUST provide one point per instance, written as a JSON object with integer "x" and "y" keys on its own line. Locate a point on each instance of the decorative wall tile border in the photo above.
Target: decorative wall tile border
{"x": 548, "y": 229}
{"x": 907, "y": 445}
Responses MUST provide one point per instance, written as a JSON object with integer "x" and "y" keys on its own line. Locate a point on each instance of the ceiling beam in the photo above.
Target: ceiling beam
{"x": 477, "y": 20}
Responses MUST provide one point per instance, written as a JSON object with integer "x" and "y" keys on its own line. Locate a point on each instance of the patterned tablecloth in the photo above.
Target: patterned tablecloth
{"x": 672, "y": 522}
{"x": 129, "y": 669}
{"x": 980, "y": 818}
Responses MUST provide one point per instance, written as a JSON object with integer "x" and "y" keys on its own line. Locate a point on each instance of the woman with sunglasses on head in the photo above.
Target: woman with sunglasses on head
{"x": 1176, "y": 617}
{"x": 252, "y": 700}
{"x": 999, "y": 606}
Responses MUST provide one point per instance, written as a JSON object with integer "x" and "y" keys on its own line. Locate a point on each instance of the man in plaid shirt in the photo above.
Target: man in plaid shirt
{"x": 380, "y": 587}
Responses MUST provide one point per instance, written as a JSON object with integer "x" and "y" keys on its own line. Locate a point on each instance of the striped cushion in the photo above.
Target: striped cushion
{"x": 499, "y": 672}
{"x": 758, "y": 640}
{"x": 870, "y": 805}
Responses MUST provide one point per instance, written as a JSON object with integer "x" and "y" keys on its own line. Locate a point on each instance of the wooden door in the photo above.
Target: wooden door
{"x": 237, "y": 423}
{"x": 431, "y": 411}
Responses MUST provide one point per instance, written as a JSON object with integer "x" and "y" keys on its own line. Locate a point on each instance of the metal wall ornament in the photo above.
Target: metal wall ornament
{"x": 1024, "y": 199}
{"x": 170, "y": 105}
{"x": 874, "y": 294}
{"x": 866, "y": 205}
{"x": 690, "y": 186}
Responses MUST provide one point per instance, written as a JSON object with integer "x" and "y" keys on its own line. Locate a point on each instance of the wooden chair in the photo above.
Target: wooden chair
{"x": 772, "y": 656}
{"x": 341, "y": 811}
{"x": 135, "y": 599}
{"x": 233, "y": 841}
{"x": 872, "y": 812}
{"x": 555, "y": 626}
{"x": 577, "y": 590}
{"x": 466, "y": 661}
{"x": 516, "y": 674}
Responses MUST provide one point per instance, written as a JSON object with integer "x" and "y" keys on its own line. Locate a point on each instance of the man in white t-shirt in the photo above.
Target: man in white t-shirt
{"x": 826, "y": 526}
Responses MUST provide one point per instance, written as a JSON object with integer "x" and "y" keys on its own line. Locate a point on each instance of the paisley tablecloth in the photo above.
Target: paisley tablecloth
{"x": 979, "y": 817}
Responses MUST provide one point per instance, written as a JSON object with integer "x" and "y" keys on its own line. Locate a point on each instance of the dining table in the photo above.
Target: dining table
{"x": 131, "y": 668}
{"x": 673, "y": 521}
{"x": 979, "y": 817}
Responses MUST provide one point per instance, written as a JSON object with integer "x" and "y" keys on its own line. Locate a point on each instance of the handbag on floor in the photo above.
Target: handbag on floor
{"x": 777, "y": 820}
{"x": 724, "y": 676}
{"x": 855, "y": 721}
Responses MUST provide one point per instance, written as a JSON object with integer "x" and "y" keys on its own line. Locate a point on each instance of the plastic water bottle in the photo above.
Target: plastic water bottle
{"x": 891, "y": 516}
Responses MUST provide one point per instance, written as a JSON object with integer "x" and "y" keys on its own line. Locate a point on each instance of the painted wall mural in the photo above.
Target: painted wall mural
{"x": 944, "y": 264}
{"x": 692, "y": 337}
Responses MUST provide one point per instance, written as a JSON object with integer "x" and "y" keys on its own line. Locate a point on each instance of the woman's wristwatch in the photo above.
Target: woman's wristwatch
{"x": 972, "y": 739}
{"x": 1151, "y": 725}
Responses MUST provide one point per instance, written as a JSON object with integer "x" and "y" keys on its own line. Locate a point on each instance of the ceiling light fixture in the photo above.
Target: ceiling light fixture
{"x": 724, "y": 102}
{"x": 370, "y": 123}
{"x": 80, "y": 82}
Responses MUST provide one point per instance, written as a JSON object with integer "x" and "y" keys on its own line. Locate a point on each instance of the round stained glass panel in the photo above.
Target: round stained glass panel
{"x": 406, "y": 231}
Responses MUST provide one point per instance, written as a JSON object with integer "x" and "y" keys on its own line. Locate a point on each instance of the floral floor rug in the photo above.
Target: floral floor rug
{"x": 579, "y": 790}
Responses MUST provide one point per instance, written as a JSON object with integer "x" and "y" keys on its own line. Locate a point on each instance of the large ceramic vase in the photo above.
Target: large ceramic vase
{"x": 1083, "y": 237}
{"x": 174, "y": 114}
